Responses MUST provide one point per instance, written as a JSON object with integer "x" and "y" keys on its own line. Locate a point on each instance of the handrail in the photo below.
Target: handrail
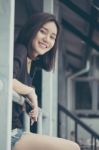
{"x": 78, "y": 121}
{"x": 19, "y": 99}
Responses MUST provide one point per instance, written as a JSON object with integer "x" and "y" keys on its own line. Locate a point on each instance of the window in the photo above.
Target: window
{"x": 83, "y": 95}
{"x": 87, "y": 97}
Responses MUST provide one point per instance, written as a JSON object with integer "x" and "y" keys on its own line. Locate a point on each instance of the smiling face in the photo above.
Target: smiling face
{"x": 44, "y": 39}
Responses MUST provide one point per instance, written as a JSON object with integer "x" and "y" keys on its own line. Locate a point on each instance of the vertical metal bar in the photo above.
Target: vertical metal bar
{"x": 91, "y": 143}
{"x": 49, "y": 90}
{"x": 76, "y": 132}
{"x": 26, "y": 122}
{"x": 69, "y": 103}
{"x": 39, "y": 125}
{"x": 6, "y": 69}
{"x": 95, "y": 144}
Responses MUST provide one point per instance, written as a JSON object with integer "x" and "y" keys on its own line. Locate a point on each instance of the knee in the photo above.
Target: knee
{"x": 71, "y": 145}
{"x": 75, "y": 146}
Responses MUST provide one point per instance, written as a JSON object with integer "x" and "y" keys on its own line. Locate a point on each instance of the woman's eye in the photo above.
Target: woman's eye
{"x": 53, "y": 37}
{"x": 43, "y": 31}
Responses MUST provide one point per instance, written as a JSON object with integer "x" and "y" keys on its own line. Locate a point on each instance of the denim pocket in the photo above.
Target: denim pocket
{"x": 16, "y": 135}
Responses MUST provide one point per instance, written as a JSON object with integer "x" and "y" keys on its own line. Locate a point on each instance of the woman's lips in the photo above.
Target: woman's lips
{"x": 42, "y": 45}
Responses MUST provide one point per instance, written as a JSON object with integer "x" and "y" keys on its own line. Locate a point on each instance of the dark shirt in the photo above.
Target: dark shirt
{"x": 20, "y": 73}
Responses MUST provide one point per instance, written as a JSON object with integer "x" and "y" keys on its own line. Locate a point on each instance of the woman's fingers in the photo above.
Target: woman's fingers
{"x": 34, "y": 114}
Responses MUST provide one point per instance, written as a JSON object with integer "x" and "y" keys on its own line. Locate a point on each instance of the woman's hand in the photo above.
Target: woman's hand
{"x": 33, "y": 114}
{"x": 33, "y": 98}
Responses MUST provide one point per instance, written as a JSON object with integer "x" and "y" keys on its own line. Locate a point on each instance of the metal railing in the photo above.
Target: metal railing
{"x": 20, "y": 100}
{"x": 94, "y": 136}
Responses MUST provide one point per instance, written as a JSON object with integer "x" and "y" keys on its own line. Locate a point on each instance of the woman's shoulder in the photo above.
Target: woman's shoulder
{"x": 20, "y": 49}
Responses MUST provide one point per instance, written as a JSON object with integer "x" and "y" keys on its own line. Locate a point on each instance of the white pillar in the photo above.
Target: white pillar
{"x": 48, "y": 6}
{"x": 6, "y": 63}
{"x": 49, "y": 90}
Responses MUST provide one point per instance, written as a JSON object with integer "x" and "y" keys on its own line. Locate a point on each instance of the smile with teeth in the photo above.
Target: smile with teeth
{"x": 42, "y": 45}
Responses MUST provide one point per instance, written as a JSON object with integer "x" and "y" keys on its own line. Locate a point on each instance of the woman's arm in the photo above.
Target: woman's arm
{"x": 23, "y": 89}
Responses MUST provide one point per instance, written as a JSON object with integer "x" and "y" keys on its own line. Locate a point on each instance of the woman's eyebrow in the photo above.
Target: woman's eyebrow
{"x": 47, "y": 30}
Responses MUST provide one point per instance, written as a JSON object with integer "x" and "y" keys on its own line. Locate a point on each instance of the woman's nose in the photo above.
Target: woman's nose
{"x": 46, "y": 38}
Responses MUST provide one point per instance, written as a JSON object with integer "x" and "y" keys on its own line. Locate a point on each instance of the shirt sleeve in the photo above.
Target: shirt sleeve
{"x": 19, "y": 60}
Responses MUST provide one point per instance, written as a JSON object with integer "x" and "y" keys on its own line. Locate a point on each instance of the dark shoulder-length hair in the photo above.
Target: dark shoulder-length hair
{"x": 29, "y": 31}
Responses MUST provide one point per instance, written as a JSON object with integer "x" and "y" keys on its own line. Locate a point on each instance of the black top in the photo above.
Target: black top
{"x": 21, "y": 74}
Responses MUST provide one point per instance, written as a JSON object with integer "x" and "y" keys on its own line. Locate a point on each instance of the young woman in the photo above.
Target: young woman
{"x": 37, "y": 42}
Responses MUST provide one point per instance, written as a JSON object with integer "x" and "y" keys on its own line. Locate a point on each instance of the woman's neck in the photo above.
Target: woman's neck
{"x": 35, "y": 54}
{"x": 29, "y": 61}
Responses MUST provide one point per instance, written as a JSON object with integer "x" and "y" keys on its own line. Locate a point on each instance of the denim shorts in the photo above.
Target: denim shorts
{"x": 15, "y": 136}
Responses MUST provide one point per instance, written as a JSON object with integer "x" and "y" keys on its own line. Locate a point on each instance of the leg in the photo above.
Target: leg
{"x": 31, "y": 141}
